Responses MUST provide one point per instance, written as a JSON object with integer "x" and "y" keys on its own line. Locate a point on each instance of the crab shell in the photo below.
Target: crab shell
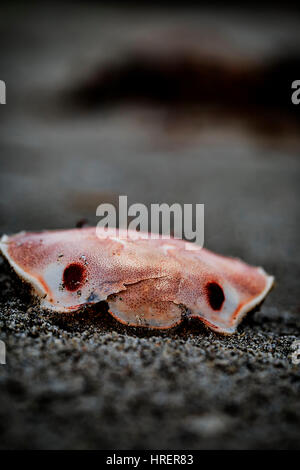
{"x": 146, "y": 282}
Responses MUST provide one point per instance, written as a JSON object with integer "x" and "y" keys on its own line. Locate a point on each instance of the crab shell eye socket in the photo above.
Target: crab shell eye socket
{"x": 215, "y": 295}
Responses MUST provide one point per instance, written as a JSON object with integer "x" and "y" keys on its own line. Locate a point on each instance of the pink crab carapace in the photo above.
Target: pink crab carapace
{"x": 152, "y": 283}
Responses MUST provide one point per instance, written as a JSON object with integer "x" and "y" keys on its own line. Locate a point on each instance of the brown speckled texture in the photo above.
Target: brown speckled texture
{"x": 67, "y": 268}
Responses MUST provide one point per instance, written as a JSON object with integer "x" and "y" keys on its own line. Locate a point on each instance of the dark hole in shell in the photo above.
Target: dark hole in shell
{"x": 215, "y": 295}
{"x": 73, "y": 276}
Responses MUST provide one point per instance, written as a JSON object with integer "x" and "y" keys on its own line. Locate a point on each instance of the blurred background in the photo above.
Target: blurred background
{"x": 162, "y": 104}
{"x": 181, "y": 103}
